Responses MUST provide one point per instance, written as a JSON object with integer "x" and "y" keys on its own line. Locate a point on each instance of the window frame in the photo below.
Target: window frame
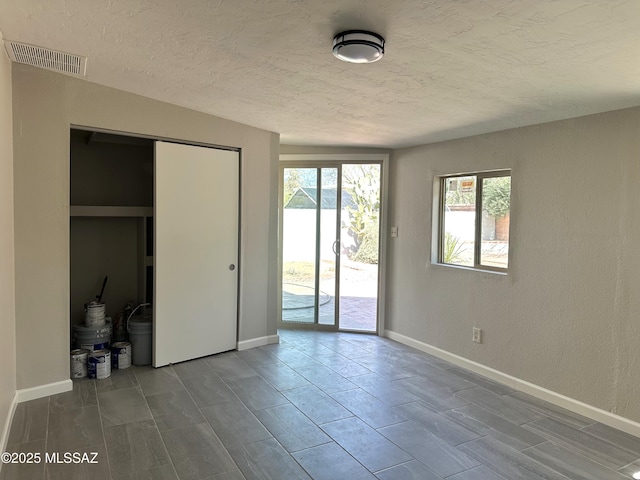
{"x": 477, "y": 246}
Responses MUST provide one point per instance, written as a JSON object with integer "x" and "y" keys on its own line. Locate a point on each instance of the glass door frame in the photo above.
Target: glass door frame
{"x": 336, "y": 161}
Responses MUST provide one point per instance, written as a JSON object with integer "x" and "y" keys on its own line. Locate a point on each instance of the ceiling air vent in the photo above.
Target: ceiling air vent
{"x": 46, "y": 58}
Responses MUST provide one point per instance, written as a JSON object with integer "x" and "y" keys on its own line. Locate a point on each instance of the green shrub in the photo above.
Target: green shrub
{"x": 367, "y": 252}
{"x": 453, "y": 249}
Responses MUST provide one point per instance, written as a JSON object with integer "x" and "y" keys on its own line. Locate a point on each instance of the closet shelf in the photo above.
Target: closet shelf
{"x": 109, "y": 211}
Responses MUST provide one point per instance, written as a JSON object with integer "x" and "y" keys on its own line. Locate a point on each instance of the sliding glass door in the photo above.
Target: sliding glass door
{"x": 330, "y": 245}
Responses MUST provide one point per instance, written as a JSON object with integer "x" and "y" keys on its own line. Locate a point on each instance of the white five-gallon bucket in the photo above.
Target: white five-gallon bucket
{"x": 140, "y": 331}
{"x": 93, "y": 338}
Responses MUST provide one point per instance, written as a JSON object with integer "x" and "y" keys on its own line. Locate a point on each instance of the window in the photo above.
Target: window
{"x": 474, "y": 220}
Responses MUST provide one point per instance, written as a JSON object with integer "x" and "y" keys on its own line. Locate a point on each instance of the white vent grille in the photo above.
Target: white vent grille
{"x": 46, "y": 58}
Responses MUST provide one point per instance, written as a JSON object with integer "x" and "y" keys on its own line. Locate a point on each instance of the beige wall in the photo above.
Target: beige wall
{"x": 7, "y": 292}
{"x": 566, "y": 317}
{"x": 45, "y": 106}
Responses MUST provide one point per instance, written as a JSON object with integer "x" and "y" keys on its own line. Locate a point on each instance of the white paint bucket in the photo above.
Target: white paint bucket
{"x": 120, "y": 355}
{"x": 79, "y": 363}
{"x": 140, "y": 331}
{"x": 99, "y": 364}
{"x": 94, "y": 314}
{"x": 93, "y": 338}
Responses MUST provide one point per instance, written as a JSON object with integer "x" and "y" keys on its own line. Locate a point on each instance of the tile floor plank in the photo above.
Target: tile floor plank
{"x": 196, "y": 368}
{"x": 232, "y": 475}
{"x": 365, "y": 444}
{"x": 290, "y": 355}
{"x": 496, "y": 426}
{"x": 508, "y": 462}
{"x": 593, "y": 447}
{"x": 368, "y": 408}
{"x": 209, "y": 389}
{"x": 70, "y": 430}
{"x": 412, "y": 470}
{"x": 281, "y": 376}
{"x": 135, "y": 447}
{"x": 478, "y": 473}
{"x": 25, "y": 471}
{"x": 235, "y": 424}
{"x": 174, "y": 410}
{"x": 266, "y": 460}
{"x": 549, "y": 410}
{"x": 325, "y": 378}
{"x": 384, "y": 390}
{"x": 611, "y": 435}
{"x": 123, "y": 406}
{"x": 118, "y": 380}
{"x": 431, "y": 394}
{"x": 256, "y": 393}
{"x": 197, "y": 452}
{"x": 444, "y": 427}
{"x": 163, "y": 472}
{"x": 230, "y": 366}
{"x": 439, "y": 377}
{"x": 83, "y": 395}
{"x": 155, "y": 381}
{"x": 570, "y": 463}
{"x": 257, "y": 357}
{"x": 83, "y": 470}
{"x": 427, "y": 448}
{"x": 330, "y": 462}
{"x": 292, "y": 428}
{"x": 29, "y": 422}
{"x": 481, "y": 381}
{"x": 502, "y": 405}
{"x": 317, "y": 405}
{"x": 628, "y": 470}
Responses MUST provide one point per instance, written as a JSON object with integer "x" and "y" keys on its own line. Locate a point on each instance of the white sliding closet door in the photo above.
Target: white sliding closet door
{"x": 196, "y": 252}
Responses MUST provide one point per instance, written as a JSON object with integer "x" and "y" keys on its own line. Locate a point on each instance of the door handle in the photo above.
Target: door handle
{"x": 232, "y": 267}
{"x": 334, "y": 247}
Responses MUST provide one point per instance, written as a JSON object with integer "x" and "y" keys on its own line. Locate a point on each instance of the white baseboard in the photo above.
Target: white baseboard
{"x": 40, "y": 391}
{"x": 4, "y": 439}
{"x": 258, "y": 342}
{"x": 576, "y": 406}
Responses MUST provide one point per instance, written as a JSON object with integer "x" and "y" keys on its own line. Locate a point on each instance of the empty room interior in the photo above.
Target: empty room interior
{"x": 340, "y": 239}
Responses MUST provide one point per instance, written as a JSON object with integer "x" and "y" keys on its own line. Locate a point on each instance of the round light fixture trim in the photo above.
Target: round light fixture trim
{"x": 358, "y": 46}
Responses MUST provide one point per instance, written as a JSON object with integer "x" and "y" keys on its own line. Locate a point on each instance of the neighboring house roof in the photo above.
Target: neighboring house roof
{"x": 306, "y": 197}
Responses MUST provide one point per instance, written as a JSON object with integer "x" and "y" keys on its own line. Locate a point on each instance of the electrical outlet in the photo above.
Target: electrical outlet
{"x": 394, "y": 232}
{"x": 477, "y": 335}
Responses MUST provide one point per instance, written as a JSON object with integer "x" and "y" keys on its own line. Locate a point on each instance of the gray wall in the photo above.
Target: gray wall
{"x": 566, "y": 317}
{"x": 46, "y": 104}
{"x": 301, "y": 149}
{"x": 102, "y": 246}
{"x": 7, "y": 300}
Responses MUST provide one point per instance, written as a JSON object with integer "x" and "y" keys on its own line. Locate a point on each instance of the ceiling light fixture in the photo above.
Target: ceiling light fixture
{"x": 358, "y": 46}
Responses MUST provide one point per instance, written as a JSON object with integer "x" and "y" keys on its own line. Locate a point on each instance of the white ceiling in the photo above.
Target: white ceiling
{"x": 452, "y": 68}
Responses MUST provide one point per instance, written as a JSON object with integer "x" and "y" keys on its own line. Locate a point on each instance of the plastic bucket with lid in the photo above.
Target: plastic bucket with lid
{"x": 93, "y": 338}
{"x": 140, "y": 331}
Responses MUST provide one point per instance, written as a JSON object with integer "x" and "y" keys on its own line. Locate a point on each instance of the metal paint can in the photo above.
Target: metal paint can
{"x": 99, "y": 364}
{"x": 94, "y": 314}
{"x": 120, "y": 355}
{"x": 79, "y": 363}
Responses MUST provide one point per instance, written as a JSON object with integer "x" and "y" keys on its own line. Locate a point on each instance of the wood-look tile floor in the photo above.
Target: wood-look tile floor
{"x": 317, "y": 405}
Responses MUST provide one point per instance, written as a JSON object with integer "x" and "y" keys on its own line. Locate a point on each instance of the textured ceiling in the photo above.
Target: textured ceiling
{"x": 452, "y": 68}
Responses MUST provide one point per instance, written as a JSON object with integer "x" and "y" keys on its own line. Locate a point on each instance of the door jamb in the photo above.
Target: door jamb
{"x": 331, "y": 160}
